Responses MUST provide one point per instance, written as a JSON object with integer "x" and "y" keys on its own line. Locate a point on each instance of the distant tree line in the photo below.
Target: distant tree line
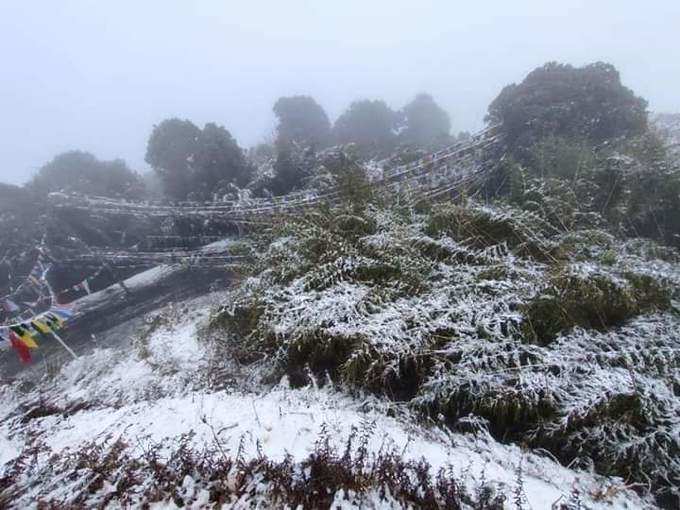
{"x": 193, "y": 163}
{"x": 563, "y": 124}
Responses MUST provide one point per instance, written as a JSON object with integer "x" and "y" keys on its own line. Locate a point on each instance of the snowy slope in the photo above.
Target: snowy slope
{"x": 157, "y": 388}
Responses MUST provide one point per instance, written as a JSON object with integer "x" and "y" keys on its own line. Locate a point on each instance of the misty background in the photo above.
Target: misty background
{"x": 86, "y": 75}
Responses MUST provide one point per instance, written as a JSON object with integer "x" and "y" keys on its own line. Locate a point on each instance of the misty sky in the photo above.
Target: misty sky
{"x": 96, "y": 75}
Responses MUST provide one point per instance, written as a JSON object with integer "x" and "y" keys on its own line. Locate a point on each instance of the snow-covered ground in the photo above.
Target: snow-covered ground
{"x": 156, "y": 390}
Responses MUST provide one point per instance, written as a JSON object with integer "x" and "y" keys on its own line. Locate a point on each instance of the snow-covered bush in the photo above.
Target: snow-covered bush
{"x": 591, "y": 300}
{"x": 564, "y": 340}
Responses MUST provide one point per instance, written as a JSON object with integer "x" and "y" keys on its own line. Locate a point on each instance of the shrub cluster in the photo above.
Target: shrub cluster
{"x": 480, "y": 314}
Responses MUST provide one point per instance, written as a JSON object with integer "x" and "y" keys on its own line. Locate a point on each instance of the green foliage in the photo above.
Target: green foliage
{"x": 219, "y": 161}
{"x": 566, "y": 204}
{"x": 81, "y": 172}
{"x": 652, "y": 205}
{"x": 353, "y": 225}
{"x": 303, "y": 127}
{"x": 586, "y": 154}
{"x": 452, "y": 312}
{"x": 576, "y": 103}
{"x": 595, "y": 400}
{"x": 481, "y": 227}
{"x": 561, "y": 158}
{"x": 291, "y": 169}
{"x": 350, "y": 179}
{"x": 591, "y": 301}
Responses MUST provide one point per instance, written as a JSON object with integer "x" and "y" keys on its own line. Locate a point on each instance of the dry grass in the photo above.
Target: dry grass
{"x": 96, "y": 476}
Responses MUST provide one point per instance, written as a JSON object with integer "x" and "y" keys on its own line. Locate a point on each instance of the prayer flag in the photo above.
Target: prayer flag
{"x": 20, "y": 331}
{"x": 20, "y": 347}
{"x": 41, "y": 326}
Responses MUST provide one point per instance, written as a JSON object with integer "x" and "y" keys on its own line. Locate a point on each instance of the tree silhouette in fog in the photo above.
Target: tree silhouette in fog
{"x": 574, "y": 102}
{"x": 191, "y": 161}
{"x": 303, "y": 121}
{"x": 369, "y": 124}
{"x": 82, "y": 172}
{"x": 425, "y": 122}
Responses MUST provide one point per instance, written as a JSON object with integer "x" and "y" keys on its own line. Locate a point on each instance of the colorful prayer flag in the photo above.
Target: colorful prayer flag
{"x": 25, "y": 336}
{"x": 20, "y": 347}
{"x": 41, "y": 326}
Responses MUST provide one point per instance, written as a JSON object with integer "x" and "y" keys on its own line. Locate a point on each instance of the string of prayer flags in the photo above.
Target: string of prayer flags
{"x": 36, "y": 281}
{"x": 22, "y": 336}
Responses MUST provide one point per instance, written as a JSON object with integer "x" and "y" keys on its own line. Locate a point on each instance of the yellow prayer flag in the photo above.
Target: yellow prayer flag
{"x": 41, "y": 326}
{"x": 25, "y": 336}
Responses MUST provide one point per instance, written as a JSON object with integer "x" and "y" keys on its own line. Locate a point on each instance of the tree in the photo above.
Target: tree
{"x": 196, "y": 161}
{"x": 560, "y": 100}
{"x": 219, "y": 161}
{"x": 81, "y": 172}
{"x": 301, "y": 120}
{"x": 170, "y": 151}
{"x": 369, "y": 124}
{"x": 426, "y": 122}
{"x": 292, "y": 167}
{"x": 350, "y": 178}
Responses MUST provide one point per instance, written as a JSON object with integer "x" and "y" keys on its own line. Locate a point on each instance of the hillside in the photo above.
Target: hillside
{"x": 373, "y": 337}
{"x": 374, "y": 313}
{"x": 164, "y": 417}
{"x": 482, "y": 317}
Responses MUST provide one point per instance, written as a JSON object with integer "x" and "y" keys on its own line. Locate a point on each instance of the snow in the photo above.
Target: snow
{"x": 289, "y": 421}
{"x": 159, "y": 398}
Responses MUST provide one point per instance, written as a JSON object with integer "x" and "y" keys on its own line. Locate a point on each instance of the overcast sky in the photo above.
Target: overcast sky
{"x": 97, "y": 75}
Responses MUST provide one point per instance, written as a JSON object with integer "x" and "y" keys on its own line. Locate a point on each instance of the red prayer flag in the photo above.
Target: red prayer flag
{"x": 20, "y": 347}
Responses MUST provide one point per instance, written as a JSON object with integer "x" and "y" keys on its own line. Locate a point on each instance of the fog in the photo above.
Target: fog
{"x": 96, "y": 76}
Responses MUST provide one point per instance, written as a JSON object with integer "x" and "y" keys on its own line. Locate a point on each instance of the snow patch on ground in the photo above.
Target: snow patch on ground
{"x": 158, "y": 398}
